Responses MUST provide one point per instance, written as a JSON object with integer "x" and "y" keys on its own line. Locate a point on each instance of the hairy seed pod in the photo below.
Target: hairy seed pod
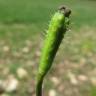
{"x": 55, "y": 34}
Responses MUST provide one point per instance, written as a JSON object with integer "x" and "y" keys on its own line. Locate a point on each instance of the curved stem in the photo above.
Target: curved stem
{"x": 39, "y": 87}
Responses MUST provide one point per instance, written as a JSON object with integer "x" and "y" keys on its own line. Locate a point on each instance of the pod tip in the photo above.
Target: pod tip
{"x": 65, "y": 10}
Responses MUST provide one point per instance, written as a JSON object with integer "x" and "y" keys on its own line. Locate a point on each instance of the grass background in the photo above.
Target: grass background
{"x": 22, "y": 23}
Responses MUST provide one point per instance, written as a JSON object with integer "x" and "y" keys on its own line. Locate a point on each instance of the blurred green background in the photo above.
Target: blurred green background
{"x": 22, "y": 28}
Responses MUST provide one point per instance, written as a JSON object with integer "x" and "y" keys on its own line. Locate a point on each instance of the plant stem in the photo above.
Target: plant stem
{"x": 39, "y": 88}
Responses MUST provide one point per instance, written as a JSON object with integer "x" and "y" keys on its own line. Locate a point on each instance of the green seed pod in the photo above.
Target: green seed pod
{"x": 55, "y": 34}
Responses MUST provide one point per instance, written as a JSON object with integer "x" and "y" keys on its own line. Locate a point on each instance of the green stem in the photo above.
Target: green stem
{"x": 39, "y": 88}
